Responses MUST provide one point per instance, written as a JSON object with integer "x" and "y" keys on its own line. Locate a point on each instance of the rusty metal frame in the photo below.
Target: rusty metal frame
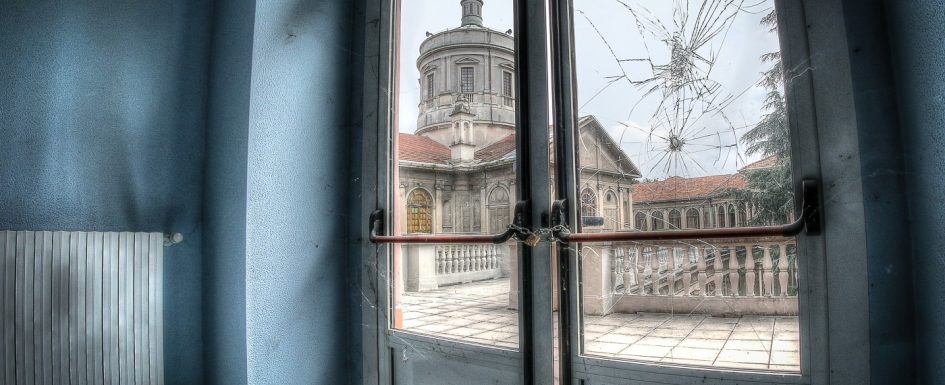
{"x": 376, "y": 224}
{"x": 809, "y": 220}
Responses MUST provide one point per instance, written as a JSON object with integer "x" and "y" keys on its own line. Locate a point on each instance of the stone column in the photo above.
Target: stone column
{"x": 595, "y": 275}
{"x": 420, "y": 269}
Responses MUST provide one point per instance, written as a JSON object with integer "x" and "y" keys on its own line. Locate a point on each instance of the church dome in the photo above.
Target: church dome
{"x": 474, "y": 63}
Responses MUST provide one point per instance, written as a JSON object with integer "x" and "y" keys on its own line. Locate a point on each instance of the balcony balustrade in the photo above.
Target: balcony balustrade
{"x": 722, "y": 278}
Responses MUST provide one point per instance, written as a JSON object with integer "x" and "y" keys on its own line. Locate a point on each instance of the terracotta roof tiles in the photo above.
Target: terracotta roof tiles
{"x": 416, "y": 148}
{"x": 679, "y": 188}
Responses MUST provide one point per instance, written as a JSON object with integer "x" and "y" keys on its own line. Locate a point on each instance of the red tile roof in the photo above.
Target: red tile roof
{"x": 679, "y": 188}
{"x": 768, "y": 162}
{"x": 497, "y": 150}
{"x": 416, "y": 148}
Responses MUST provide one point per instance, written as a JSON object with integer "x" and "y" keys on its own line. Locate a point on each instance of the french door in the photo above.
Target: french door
{"x": 664, "y": 122}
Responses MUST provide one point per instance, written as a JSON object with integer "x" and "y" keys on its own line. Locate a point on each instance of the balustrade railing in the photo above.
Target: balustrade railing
{"x": 454, "y": 259}
{"x": 725, "y": 278}
{"x": 750, "y": 269}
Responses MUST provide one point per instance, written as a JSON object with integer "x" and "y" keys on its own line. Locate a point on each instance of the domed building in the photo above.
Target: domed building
{"x": 457, "y": 169}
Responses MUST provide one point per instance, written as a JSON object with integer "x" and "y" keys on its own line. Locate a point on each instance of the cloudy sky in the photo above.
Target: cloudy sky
{"x": 642, "y": 124}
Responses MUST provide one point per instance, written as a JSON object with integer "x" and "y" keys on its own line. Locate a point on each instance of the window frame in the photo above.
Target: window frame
{"x": 819, "y": 363}
{"x": 820, "y": 98}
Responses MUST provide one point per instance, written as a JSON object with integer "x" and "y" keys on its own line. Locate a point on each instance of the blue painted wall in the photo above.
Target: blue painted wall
{"x": 102, "y": 114}
{"x": 225, "y": 193}
{"x": 884, "y": 194}
{"x": 296, "y": 254}
{"x": 918, "y": 40}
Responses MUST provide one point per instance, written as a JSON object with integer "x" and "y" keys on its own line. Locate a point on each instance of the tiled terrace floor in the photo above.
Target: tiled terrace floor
{"x": 478, "y": 313}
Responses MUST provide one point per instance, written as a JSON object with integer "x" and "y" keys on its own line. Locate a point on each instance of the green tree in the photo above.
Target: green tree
{"x": 770, "y": 189}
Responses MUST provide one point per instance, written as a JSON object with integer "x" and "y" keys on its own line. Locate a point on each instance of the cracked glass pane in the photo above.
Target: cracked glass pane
{"x": 683, "y": 126}
{"x": 455, "y": 171}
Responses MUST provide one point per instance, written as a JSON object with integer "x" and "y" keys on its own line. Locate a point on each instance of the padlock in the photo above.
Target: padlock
{"x": 532, "y": 240}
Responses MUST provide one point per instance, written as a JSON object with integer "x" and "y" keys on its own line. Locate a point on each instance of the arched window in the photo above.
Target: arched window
{"x": 498, "y": 205}
{"x": 675, "y": 220}
{"x": 721, "y": 218}
{"x": 658, "y": 220}
{"x": 707, "y": 218}
{"x": 640, "y": 220}
{"x": 692, "y": 219}
{"x": 419, "y": 212}
{"x": 731, "y": 216}
{"x": 588, "y": 203}
{"x": 610, "y": 210}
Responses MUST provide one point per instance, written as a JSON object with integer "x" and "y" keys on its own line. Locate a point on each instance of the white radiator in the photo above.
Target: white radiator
{"x": 81, "y": 307}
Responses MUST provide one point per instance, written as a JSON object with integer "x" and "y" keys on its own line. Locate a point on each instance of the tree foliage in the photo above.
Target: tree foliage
{"x": 770, "y": 189}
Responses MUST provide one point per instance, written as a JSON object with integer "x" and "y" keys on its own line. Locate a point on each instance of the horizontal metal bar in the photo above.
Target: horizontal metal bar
{"x": 377, "y": 226}
{"x": 743, "y": 232}
{"x": 809, "y": 218}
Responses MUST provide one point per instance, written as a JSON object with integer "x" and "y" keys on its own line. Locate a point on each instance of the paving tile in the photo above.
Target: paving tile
{"x": 748, "y": 345}
{"x": 434, "y": 328}
{"x": 785, "y": 358}
{"x": 492, "y": 335}
{"x": 786, "y": 368}
{"x": 619, "y": 338}
{"x": 604, "y": 347}
{"x": 646, "y": 350}
{"x": 694, "y": 354}
{"x": 786, "y": 345}
{"x": 786, "y": 336}
{"x": 751, "y": 336}
{"x": 743, "y": 356}
{"x": 674, "y": 333}
{"x": 702, "y": 343}
{"x": 659, "y": 341}
{"x": 485, "y": 325}
{"x": 710, "y": 334}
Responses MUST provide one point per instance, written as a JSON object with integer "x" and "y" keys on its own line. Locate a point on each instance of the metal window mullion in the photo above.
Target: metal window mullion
{"x": 566, "y": 185}
{"x": 532, "y": 116}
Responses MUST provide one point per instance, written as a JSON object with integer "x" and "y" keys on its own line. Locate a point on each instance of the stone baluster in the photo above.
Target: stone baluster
{"x": 655, "y": 270}
{"x": 750, "y": 271}
{"x": 733, "y": 267}
{"x": 440, "y": 265}
{"x": 701, "y": 266}
{"x": 456, "y": 260}
{"x": 783, "y": 269}
{"x": 638, "y": 269}
{"x": 468, "y": 258}
{"x": 671, "y": 271}
{"x": 480, "y": 251}
{"x": 628, "y": 275}
{"x": 495, "y": 257}
{"x": 717, "y": 273}
{"x": 447, "y": 260}
{"x": 767, "y": 273}
{"x": 687, "y": 271}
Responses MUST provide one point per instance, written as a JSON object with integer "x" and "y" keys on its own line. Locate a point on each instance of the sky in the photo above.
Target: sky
{"x": 634, "y": 119}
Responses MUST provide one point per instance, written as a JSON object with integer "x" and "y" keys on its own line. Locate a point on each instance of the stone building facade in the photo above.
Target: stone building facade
{"x": 457, "y": 170}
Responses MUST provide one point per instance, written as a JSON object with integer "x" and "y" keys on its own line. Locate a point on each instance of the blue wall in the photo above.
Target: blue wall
{"x": 225, "y": 193}
{"x": 884, "y": 193}
{"x": 102, "y": 110}
{"x": 296, "y": 254}
{"x": 918, "y": 40}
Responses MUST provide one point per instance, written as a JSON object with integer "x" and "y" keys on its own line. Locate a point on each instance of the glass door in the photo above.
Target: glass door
{"x": 675, "y": 117}
{"x": 466, "y": 160}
